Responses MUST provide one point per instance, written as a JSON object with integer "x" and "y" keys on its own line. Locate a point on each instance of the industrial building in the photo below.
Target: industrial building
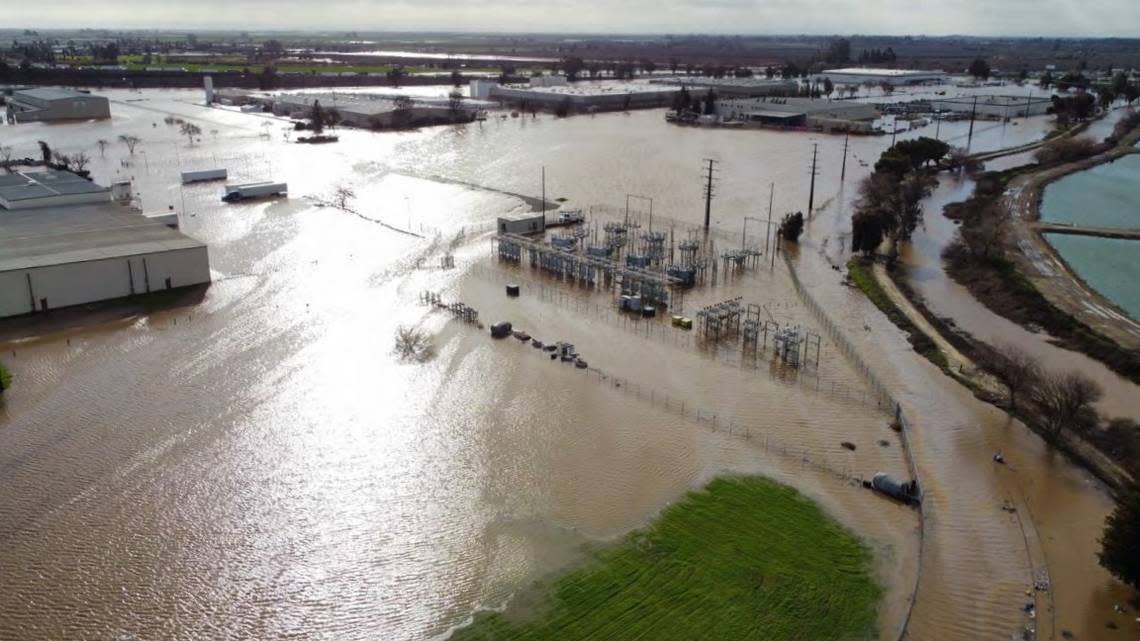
{"x": 369, "y": 110}
{"x": 62, "y": 244}
{"x": 54, "y": 103}
{"x": 895, "y": 77}
{"x": 583, "y": 97}
{"x": 820, "y": 115}
{"x": 996, "y": 107}
{"x": 734, "y": 87}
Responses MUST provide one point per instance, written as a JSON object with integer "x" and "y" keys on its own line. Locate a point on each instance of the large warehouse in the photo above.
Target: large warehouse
{"x": 734, "y": 87}
{"x": 1001, "y": 107}
{"x": 53, "y": 103}
{"x": 56, "y": 251}
{"x": 586, "y": 96}
{"x": 821, "y": 115}
{"x": 895, "y": 77}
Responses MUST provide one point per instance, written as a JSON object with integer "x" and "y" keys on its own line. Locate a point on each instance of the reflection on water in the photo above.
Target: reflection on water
{"x": 1110, "y": 266}
{"x": 1103, "y": 196}
{"x": 261, "y": 465}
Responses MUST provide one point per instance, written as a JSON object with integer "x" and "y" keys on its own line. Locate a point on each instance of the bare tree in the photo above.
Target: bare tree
{"x": 343, "y": 196}
{"x": 130, "y": 142}
{"x": 1016, "y": 369}
{"x": 102, "y": 144}
{"x": 1065, "y": 401}
{"x": 61, "y": 159}
{"x": 333, "y": 117}
{"x": 190, "y": 130}
{"x": 78, "y": 162}
{"x": 287, "y": 134}
{"x": 5, "y": 154}
{"x": 412, "y": 344}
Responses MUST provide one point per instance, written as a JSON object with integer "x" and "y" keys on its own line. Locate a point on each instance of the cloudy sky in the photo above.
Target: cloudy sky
{"x": 936, "y": 17}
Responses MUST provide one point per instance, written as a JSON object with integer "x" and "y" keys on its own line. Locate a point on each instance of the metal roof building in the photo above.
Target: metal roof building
{"x": 860, "y": 75}
{"x": 734, "y": 87}
{"x": 55, "y": 103}
{"x": 56, "y": 254}
{"x": 49, "y": 188}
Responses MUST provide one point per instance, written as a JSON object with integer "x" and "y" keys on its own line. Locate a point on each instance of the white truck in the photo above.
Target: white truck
{"x": 235, "y": 193}
{"x": 203, "y": 175}
{"x": 571, "y": 217}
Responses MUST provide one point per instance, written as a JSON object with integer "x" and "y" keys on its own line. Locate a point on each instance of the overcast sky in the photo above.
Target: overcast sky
{"x": 934, "y": 17}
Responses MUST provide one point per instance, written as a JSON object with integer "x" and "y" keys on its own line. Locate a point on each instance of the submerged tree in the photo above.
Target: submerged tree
{"x": 130, "y": 141}
{"x": 190, "y": 130}
{"x": 792, "y": 226}
{"x": 1016, "y": 369}
{"x": 317, "y": 117}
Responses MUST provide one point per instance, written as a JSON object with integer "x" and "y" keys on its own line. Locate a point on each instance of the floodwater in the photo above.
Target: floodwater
{"x": 261, "y": 465}
{"x": 947, "y": 299}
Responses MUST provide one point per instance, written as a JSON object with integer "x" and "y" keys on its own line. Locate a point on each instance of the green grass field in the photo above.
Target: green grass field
{"x": 743, "y": 558}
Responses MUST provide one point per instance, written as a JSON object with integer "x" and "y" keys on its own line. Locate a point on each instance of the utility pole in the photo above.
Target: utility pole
{"x": 938, "y": 126}
{"x": 709, "y": 193}
{"x": 894, "y": 129}
{"x": 973, "y": 111}
{"x": 843, "y": 170}
{"x": 544, "y": 193}
{"x": 811, "y": 194}
{"x": 768, "y": 228}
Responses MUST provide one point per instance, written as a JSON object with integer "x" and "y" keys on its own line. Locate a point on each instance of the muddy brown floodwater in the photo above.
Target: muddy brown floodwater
{"x": 260, "y": 464}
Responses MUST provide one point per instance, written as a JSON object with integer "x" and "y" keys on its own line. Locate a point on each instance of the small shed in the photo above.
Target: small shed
{"x": 530, "y": 223}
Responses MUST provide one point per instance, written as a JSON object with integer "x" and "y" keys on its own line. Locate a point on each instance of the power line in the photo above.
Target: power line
{"x": 709, "y": 192}
{"x": 811, "y": 196}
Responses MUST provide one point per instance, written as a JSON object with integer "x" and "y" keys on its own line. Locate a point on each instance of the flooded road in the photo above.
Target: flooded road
{"x": 261, "y": 464}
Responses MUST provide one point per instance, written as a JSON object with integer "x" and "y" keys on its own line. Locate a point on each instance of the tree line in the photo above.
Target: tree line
{"x": 889, "y": 203}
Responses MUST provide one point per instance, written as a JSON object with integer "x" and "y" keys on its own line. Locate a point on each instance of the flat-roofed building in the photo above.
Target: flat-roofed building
{"x": 372, "y": 110}
{"x": 47, "y": 189}
{"x": 587, "y": 96}
{"x": 895, "y": 77}
{"x": 734, "y": 87}
{"x": 995, "y": 106}
{"x": 56, "y": 252}
{"x": 54, "y": 103}
{"x": 821, "y": 115}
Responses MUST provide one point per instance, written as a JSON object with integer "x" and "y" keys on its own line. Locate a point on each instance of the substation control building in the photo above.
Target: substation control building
{"x": 64, "y": 242}
{"x": 530, "y": 223}
{"x": 54, "y": 103}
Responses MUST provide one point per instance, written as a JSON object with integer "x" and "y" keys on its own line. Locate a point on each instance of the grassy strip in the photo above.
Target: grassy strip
{"x": 864, "y": 279}
{"x": 5, "y": 378}
{"x": 744, "y": 558}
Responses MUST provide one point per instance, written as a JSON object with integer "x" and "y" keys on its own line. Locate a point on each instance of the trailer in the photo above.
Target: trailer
{"x": 203, "y": 175}
{"x": 235, "y": 193}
